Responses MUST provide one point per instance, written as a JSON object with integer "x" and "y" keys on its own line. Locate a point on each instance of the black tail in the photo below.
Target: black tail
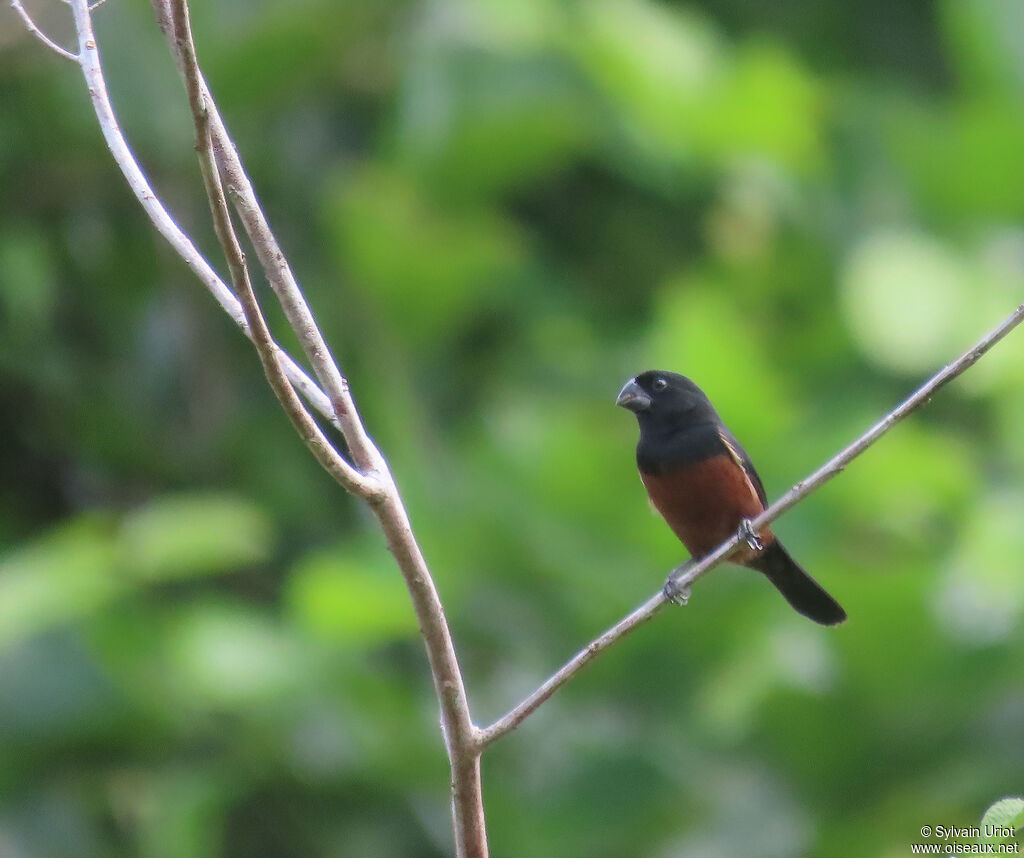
{"x": 800, "y": 589}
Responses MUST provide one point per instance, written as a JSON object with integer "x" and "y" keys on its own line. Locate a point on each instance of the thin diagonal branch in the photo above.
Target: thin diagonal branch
{"x": 304, "y": 424}
{"x": 89, "y": 61}
{"x": 282, "y": 281}
{"x": 377, "y": 484}
{"x": 278, "y": 272}
{"x": 686, "y": 574}
{"x": 34, "y": 29}
{"x": 460, "y": 734}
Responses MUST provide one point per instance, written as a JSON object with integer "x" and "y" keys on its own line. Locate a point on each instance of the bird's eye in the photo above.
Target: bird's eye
{"x": 659, "y": 384}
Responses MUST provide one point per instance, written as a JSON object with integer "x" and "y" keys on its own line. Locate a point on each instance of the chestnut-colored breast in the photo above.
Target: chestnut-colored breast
{"x": 705, "y": 501}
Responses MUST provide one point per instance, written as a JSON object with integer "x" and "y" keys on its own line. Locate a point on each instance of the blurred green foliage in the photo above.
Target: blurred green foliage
{"x": 1003, "y": 816}
{"x": 500, "y": 210}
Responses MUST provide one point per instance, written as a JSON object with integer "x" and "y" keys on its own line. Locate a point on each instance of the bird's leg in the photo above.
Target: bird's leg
{"x": 675, "y": 592}
{"x": 746, "y": 533}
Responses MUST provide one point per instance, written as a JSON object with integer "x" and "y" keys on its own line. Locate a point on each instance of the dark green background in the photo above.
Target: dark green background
{"x": 500, "y": 210}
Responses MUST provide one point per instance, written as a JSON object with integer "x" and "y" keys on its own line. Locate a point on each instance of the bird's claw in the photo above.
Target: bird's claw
{"x": 747, "y": 534}
{"x": 676, "y": 593}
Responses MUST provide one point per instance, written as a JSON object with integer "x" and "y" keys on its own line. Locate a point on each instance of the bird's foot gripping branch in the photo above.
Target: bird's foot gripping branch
{"x": 675, "y": 591}
{"x": 749, "y": 535}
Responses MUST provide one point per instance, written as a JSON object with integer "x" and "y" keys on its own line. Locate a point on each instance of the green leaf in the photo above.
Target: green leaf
{"x": 691, "y": 313}
{"x": 430, "y": 267}
{"x": 655, "y": 66}
{"x": 64, "y": 574}
{"x": 983, "y": 594}
{"x": 1005, "y": 813}
{"x": 192, "y": 535}
{"x": 27, "y": 294}
{"x": 231, "y": 655}
{"x": 905, "y": 295}
{"x": 340, "y": 597}
{"x": 766, "y": 106}
{"x": 181, "y": 811}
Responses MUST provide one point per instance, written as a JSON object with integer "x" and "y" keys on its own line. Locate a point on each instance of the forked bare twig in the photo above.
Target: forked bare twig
{"x": 304, "y": 424}
{"x": 459, "y": 732}
{"x": 36, "y": 31}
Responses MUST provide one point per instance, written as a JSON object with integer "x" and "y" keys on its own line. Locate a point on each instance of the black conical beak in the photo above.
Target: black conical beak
{"x": 633, "y": 397}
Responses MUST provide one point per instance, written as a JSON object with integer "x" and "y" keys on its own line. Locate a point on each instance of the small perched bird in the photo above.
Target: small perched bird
{"x": 704, "y": 485}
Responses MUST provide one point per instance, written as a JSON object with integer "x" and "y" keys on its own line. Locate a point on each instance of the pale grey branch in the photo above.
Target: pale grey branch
{"x": 459, "y": 732}
{"x": 34, "y": 29}
{"x": 686, "y": 574}
{"x": 376, "y": 485}
{"x": 307, "y": 428}
{"x": 279, "y": 274}
{"x": 89, "y": 61}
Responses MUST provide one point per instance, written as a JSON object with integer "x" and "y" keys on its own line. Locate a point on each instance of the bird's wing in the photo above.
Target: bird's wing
{"x": 740, "y": 457}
